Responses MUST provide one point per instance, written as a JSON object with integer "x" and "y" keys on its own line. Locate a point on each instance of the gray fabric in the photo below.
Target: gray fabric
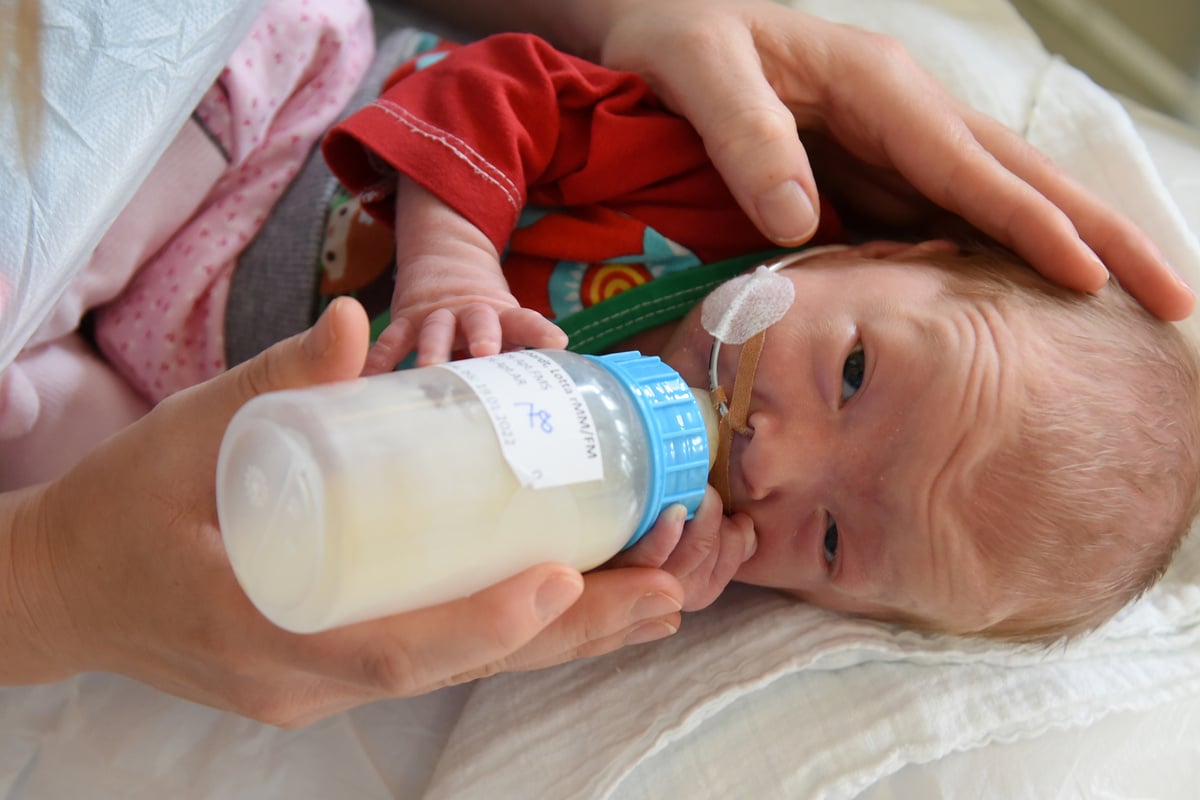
{"x": 273, "y": 291}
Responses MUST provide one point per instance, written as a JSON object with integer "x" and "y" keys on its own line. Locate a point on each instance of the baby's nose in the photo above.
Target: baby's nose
{"x": 781, "y": 453}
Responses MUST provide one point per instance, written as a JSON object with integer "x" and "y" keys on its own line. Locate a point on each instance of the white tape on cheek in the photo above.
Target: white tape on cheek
{"x": 750, "y": 303}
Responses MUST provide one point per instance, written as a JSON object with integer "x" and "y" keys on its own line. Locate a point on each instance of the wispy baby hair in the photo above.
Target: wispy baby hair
{"x": 1087, "y": 502}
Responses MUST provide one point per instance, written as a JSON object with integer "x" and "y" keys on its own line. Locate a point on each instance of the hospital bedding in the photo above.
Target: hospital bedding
{"x": 759, "y": 696}
{"x": 127, "y": 76}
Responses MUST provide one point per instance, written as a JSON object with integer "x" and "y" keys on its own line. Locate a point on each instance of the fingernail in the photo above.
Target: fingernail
{"x": 711, "y": 498}
{"x": 650, "y": 631}
{"x": 655, "y": 604}
{"x": 1099, "y": 265}
{"x": 786, "y": 213}
{"x": 556, "y": 595}
{"x": 751, "y": 543}
{"x": 320, "y": 337}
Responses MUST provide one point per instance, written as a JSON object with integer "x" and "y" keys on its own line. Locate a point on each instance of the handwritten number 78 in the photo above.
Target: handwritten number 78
{"x": 537, "y": 418}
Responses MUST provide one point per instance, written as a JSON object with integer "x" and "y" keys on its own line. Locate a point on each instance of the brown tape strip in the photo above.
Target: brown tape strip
{"x": 739, "y": 412}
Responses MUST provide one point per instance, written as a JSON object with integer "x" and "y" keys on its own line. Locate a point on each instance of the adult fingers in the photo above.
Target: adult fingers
{"x": 618, "y": 607}
{"x": 991, "y": 177}
{"x": 1127, "y": 251}
{"x": 716, "y": 80}
{"x": 333, "y": 349}
{"x": 960, "y": 173}
{"x": 422, "y": 650}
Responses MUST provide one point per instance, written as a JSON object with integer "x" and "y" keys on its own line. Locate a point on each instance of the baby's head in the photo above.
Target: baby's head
{"x": 947, "y": 440}
{"x": 1088, "y": 496}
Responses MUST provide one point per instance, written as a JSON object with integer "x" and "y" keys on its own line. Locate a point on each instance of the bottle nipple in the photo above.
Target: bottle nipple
{"x": 708, "y": 412}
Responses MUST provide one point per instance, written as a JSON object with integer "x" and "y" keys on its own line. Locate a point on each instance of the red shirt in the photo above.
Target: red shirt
{"x": 507, "y": 123}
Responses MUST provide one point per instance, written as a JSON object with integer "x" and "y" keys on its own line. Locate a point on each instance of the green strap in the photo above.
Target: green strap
{"x": 666, "y": 299}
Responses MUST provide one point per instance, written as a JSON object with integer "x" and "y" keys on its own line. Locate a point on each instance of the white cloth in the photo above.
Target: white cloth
{"x": 119, "y": 80}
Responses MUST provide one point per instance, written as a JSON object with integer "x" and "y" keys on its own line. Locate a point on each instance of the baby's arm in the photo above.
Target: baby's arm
{"x": 450, "y": 292}
{"x": 492, "y": 128}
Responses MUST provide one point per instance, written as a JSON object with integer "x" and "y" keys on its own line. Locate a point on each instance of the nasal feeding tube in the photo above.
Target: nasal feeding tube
{"x": 739, "y": 312}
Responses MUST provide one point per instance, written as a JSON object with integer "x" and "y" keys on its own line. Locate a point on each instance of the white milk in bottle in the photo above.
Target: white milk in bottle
{"x": 350, "y": 501}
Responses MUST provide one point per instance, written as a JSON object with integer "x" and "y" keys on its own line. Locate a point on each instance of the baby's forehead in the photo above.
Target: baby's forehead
{"x": 922, "y": 298}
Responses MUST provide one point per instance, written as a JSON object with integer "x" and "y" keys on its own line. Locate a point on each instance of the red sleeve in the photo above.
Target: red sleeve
{"x": 510, "y": 120}
{"x": 478, "y": 128}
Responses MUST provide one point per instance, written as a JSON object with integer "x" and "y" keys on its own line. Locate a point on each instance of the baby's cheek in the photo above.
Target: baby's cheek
{"x": 764, "y": 570}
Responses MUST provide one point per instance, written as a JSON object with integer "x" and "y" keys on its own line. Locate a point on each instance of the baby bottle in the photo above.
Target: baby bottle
{"x": 350, "y": 501}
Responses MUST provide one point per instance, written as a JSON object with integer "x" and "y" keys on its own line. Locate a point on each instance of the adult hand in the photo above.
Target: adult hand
{"x": 748, "y": 73}
{"x": 119, "y": 566}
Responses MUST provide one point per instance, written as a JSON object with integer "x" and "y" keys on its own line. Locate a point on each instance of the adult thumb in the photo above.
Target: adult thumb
{"x": 333, "y": 349}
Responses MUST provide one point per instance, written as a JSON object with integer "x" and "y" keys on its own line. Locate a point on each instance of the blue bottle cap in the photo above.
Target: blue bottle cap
{"x": 676, "y": 429}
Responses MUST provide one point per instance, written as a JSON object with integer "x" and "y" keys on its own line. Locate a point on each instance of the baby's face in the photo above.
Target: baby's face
{"x": 877, "y": 399}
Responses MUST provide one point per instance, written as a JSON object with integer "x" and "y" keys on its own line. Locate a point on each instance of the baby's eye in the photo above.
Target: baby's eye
{"x": 831, "y": 539}
{"x": 852, "y": 372}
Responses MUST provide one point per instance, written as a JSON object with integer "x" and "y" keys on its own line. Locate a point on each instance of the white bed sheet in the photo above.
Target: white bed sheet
{"x": 103, "y": 736}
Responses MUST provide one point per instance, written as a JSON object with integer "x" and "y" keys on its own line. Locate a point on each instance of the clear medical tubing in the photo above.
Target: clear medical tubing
{"x": 357, "y": 500}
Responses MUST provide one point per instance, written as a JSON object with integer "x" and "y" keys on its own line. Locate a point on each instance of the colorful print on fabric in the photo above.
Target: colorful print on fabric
{"x": 357, "y": 259}
{"x": 574, "y": 285}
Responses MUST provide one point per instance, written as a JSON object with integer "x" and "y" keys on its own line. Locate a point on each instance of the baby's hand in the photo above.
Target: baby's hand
{"x": 450, "y": 292}
{"x": 703, "y": 553}
{"x": 480, "y": 324}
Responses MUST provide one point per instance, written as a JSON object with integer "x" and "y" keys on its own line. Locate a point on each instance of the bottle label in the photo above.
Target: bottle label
{"x": 545, "y": 429}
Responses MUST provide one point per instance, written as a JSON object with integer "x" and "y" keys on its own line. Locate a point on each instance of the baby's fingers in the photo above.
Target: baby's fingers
{"x": 396, "y": 342}
{"x": 656, "y": 546}
{"x": 710, "y": 551}
{"x": 436, "y": 339}
{"x": 479, "y": 324}
{"x": 488, "y": 331}
{"x": 704, "y": 555}
{"x": 524, "y": 327}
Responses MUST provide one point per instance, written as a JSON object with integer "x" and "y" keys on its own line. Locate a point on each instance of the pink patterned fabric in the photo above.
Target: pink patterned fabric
{"x": 58, "y": 399}
{"x": 283, "y": 87}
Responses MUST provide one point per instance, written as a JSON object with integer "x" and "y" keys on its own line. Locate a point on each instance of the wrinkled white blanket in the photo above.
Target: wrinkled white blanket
{"x": 806, "y": 703}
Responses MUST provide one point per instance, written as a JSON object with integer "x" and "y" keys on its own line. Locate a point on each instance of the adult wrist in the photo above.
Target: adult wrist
{"x": 34, "y": 624}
